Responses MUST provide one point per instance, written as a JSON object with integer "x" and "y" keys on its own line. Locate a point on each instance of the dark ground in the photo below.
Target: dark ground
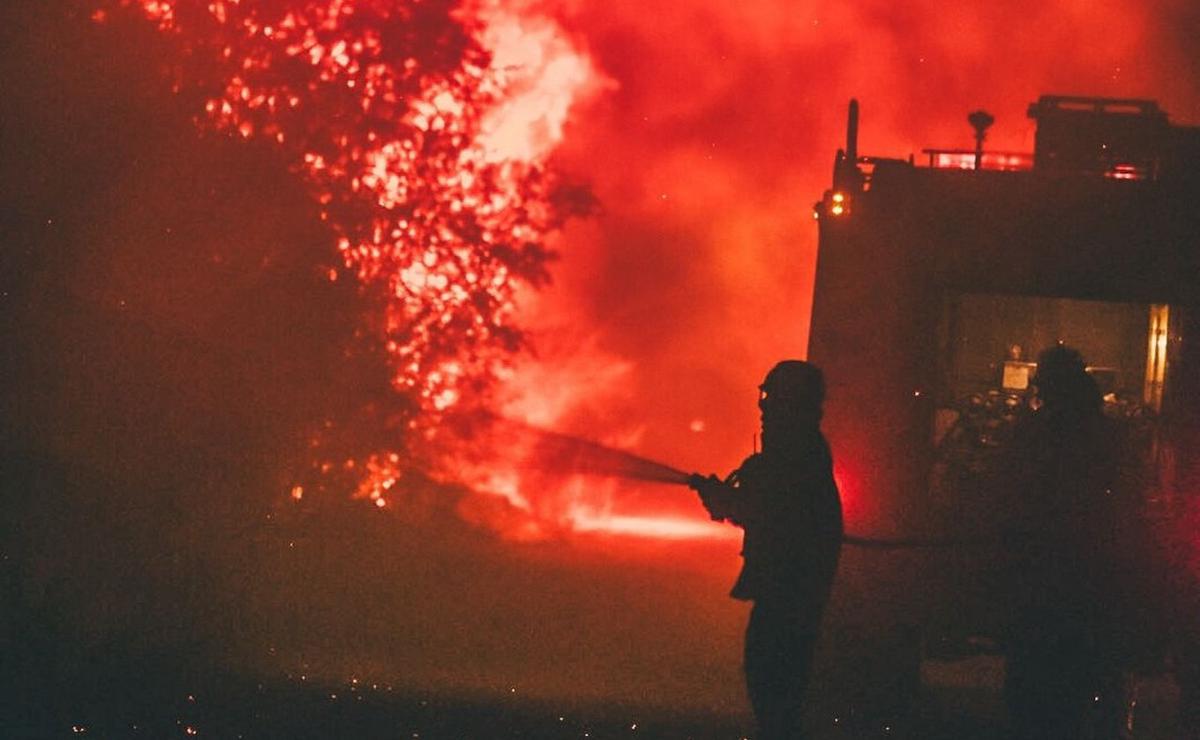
{"x": 62, "y": 675}
{"x": 234, "y": 708}
{"x": 146, "y": 622}
{"x": 231, "y": 709}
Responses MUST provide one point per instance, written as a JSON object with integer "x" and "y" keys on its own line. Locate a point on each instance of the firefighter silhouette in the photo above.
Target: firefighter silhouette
{"x": 787, "y": 502}
{"x": 1064, "y": 671}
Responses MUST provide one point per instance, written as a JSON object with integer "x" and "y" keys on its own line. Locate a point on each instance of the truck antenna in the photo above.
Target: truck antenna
{"x": 852, "y": 133}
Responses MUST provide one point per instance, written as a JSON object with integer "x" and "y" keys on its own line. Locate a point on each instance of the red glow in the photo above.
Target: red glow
{"x": 965, "y": 160}
{"x": 852, "y": 502}
{"x": 1125, "y": 172}
{"x": 1189, "y": 534}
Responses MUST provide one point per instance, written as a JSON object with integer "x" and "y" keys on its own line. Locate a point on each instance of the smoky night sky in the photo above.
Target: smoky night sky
{"x": 719, "y": 134}
{"x": 173, "y": 342}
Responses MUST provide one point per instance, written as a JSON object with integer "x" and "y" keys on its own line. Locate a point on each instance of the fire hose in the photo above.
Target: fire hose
{"x": 554, "y": 450}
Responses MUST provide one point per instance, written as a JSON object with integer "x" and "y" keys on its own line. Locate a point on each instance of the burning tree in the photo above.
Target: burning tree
{"x": 398, "y": 119}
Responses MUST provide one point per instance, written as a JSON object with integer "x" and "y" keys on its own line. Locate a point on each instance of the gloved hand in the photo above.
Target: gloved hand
{"x": 713, "y": 494}
{"x": 696, "y": 481}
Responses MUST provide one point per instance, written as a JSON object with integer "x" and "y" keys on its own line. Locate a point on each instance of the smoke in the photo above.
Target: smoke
{"x": 541, "y": 74}
{"x": 717, "y": 136}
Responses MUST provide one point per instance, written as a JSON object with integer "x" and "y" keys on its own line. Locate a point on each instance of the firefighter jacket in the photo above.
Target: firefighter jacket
{"x": 788, "y": 505}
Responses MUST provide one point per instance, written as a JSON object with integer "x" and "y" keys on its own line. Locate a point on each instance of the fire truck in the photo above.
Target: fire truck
{"x": 941, "y": 277}
{"x": 938, "y": 282}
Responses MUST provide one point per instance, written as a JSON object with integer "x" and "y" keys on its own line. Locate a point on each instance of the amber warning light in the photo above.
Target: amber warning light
{"x": 836, "y": 204}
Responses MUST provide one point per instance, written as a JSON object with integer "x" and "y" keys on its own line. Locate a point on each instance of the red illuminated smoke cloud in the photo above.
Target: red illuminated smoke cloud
{"x": 717, "y": 137}
{"x": 707, "y": 152}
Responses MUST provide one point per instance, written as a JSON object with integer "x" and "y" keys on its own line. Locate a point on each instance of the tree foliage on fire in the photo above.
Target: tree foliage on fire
{"x": 378, "y": 106}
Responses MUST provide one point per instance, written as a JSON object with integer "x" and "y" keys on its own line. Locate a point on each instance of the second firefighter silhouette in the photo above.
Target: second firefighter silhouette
{"x": 787, "y": 502}
{"x": 1068, "y": 519}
